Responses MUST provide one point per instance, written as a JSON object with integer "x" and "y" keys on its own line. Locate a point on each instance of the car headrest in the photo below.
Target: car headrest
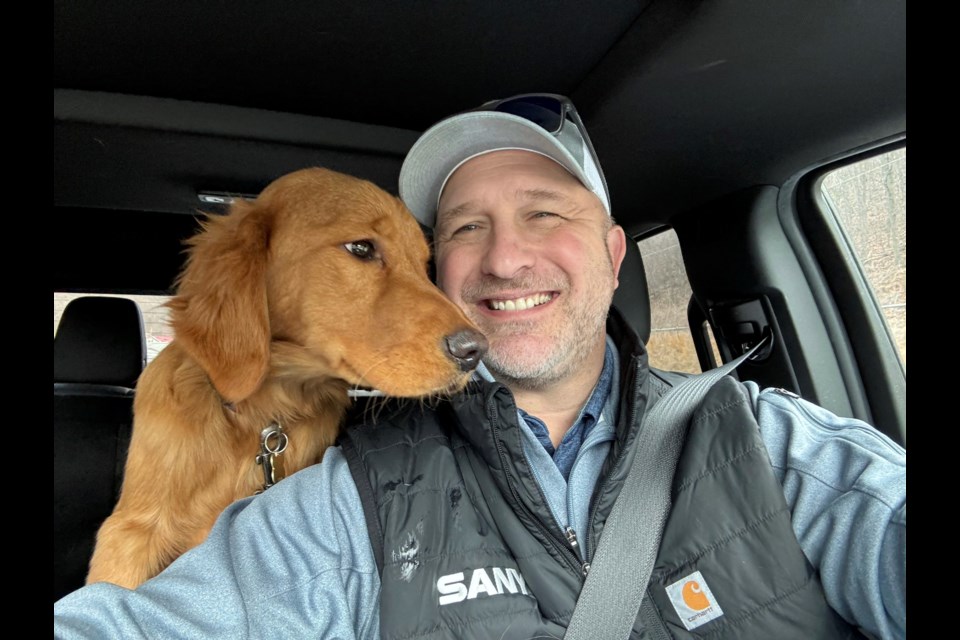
{"x": 632, "y": 298}
{"x": 99, "y": 341}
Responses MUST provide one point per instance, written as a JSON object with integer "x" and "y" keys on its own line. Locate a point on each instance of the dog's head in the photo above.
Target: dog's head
{"x": 332, "y": 271}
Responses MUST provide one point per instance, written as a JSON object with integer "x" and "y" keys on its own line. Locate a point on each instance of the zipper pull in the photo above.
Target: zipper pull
{"x": 575, "y": 545}
{"x": 571, "y": 537}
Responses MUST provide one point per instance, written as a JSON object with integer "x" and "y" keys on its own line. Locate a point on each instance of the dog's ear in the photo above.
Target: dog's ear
{"x": 219, "y": 314}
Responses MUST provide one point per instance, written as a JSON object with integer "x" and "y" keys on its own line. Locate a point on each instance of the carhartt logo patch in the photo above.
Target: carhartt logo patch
{"x": 693, "y": 601}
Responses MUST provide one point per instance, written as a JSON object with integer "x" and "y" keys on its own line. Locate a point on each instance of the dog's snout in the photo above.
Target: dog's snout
{"x": 466, "y": 347}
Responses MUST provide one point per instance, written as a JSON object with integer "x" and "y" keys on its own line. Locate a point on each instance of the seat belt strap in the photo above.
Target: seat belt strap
{"x": 610, "y": 599}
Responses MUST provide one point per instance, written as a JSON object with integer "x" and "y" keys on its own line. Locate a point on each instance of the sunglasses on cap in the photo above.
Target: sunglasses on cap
{"x": 551, "y": 112}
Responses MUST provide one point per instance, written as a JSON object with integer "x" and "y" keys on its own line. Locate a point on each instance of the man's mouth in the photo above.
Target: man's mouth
{"x": 519, "y": 304}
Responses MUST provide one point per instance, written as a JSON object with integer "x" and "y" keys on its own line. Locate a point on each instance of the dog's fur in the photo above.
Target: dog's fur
{"x": 274, "y": 319}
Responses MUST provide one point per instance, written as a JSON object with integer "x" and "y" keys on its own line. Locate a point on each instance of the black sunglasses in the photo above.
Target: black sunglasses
{"x": 550, "y": 112}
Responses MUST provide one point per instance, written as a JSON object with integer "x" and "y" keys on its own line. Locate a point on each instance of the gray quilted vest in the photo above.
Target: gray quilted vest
{"x": 467, "y": 547}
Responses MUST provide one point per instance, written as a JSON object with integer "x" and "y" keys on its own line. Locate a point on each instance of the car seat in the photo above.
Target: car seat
{"x": 632, "y": 297}
{"x": 99, "y": 351}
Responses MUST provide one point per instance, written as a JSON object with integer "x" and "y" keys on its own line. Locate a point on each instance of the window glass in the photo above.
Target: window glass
{"x": 671, "y": 345}
{"x": 155, "y": 318}
{"x": 870, "y": 200}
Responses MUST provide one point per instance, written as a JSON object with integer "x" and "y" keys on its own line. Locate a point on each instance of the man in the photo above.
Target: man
{"x": 479, "y": 517}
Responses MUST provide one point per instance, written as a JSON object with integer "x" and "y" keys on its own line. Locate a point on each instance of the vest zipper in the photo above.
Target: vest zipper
{"x": 594, "y": 505}
{"x": 564, "y": 546}
{"x": 572, "y": 539}
{"x": 595, "y": 500}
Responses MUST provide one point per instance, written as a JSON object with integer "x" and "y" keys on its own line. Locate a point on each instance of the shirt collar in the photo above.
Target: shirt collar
{"x": 598, "y": 398}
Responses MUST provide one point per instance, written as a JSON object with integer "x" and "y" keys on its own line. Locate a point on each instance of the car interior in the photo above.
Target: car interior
{"x": 717, "y": 120}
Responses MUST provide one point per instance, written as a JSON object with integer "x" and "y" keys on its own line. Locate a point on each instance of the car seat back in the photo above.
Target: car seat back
{"x": 632, "y": 297}
{"x": 98, "y": 353}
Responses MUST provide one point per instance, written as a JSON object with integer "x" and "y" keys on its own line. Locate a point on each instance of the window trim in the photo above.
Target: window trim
{"x": 867, "y": 355}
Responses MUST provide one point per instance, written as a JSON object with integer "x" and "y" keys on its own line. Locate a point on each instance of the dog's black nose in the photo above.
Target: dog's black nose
{"x": 466, "y": 347}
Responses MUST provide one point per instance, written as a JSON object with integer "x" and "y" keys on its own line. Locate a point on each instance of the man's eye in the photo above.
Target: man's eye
{"x": 544, "y": 218}
{"x": 467, "y": 228}
{"x": 363, "y": 249}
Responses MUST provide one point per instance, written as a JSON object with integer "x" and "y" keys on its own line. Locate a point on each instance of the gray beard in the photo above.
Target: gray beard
{"x": 569, "y": 356}
{"x": 586, "y": 325}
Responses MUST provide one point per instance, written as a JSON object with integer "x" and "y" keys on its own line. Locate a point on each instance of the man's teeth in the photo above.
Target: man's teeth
{"x": 519, "y": 304}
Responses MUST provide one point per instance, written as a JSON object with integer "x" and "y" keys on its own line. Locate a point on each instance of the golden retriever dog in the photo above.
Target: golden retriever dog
{"x": 318, "y": 285}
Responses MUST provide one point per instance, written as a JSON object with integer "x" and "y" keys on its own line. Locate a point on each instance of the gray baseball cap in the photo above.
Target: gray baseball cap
{"x": 451, "y": 142}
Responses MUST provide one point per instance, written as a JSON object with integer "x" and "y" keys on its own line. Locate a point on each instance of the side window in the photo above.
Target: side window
{"x": 869, "y": 198}
{"x": 155, "y": 318}
{"x": 671, "y": 345}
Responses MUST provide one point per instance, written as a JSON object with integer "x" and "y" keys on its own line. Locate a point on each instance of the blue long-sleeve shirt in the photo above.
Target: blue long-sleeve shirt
{"x": 296, "y": 561}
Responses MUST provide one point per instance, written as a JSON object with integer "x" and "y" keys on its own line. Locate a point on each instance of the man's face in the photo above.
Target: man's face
{"x": 531, "y": 257}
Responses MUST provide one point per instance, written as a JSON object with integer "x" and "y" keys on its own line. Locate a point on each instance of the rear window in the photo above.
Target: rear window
{"x": 156, "y": 317}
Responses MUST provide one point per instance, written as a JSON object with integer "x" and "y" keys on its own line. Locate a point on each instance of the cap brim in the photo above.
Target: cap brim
{"x": 446, "y": 145}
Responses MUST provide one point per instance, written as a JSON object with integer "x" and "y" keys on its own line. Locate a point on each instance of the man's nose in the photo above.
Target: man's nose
{"x": 508, "y": 253}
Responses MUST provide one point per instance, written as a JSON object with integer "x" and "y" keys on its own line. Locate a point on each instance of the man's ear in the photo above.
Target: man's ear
{"x": 617, "y": 247}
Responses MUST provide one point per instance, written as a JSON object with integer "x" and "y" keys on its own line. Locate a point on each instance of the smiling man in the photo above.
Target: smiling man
{"x": 526, "y": 245}
{"x": 479, "y": 517}
{"x": 532, "y": 257}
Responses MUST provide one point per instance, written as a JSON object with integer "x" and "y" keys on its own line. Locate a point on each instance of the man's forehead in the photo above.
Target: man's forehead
{"x": 521, "y": 175}
{"x": 519, "y": 195}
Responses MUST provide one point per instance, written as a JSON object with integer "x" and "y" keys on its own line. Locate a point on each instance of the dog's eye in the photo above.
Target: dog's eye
{"x": 363, "y": 249}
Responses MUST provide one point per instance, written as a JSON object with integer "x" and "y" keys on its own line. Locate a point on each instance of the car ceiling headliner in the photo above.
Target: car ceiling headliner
{"x": 685, "y": 101}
